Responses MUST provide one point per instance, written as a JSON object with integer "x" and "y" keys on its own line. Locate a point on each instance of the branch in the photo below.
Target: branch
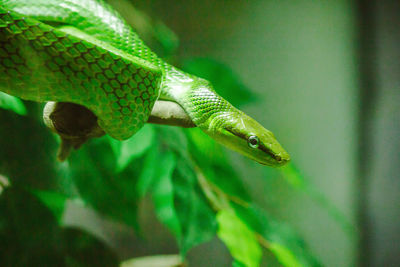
{"x": 76, "y": 124}
{"x": 155, "y": 261}
{"x": 170, "y": 113}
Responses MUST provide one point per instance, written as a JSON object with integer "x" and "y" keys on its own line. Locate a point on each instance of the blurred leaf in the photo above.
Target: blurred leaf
{"x": 237, "y": 264}
{"x": 205, "y": 149}
{"x": 27, "y": 150}
{"x": 213, "y": 161}
{"x": 163, "y": 193}
{"x": 227, "y": 180}
{"x": 175, "y": 139}
{"x": 196, "y": 218}
{"x": 147, "y": 175}
{"x": 82, "y": 249}
{"x": 277, "y": 233}
{"x": 54, "y": 201}
{"x": 293, "y": 176}
{"x": 28, "y": 231}
{"x": 284, "y": 255}
{"x": 92, "y": 169}
{"x": 30, "y": 236}
{"x": 126, "y": 151}
{"x": 240, "y": 240}
{"x": 12, "y": 103}
{"x": 224, "y": 80}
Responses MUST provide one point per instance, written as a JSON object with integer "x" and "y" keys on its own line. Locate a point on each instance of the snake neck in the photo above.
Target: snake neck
{"x": 208, "y": 110}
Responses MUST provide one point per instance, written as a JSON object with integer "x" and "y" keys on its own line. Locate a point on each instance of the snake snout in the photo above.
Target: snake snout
{"x": 282, "y": 158}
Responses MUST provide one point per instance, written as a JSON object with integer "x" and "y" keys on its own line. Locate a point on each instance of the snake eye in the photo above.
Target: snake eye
{"x": 253, "y": 141}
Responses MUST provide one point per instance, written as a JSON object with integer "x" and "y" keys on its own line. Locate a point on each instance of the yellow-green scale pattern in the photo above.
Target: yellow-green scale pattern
{"x": 41, "y": 63}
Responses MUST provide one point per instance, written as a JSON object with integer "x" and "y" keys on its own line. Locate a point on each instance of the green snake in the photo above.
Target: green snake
{"x": 83, "y": 52}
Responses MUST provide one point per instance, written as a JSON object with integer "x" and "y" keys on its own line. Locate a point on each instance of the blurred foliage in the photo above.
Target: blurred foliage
{"x": 12, "y": 103}
{"x": 195, "y": 190}
{"x": 31, "y": 236}
{"x": 240, "y": 240}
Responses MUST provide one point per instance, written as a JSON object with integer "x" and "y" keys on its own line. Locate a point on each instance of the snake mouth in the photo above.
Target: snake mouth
{"x": 276, "y": 164}
{"x": 278, "y": 161}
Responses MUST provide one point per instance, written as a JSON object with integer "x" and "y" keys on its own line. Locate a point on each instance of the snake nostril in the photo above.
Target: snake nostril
{"x": 278, "y": 158}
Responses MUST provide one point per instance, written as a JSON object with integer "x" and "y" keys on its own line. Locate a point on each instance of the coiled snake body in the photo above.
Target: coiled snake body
{"x": 83, "y": 52}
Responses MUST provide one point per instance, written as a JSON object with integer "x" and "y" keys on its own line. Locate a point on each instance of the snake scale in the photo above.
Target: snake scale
{"x": 83, "y": 52}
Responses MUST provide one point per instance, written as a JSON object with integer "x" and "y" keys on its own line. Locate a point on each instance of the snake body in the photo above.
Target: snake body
{"x": 83, "y": 52}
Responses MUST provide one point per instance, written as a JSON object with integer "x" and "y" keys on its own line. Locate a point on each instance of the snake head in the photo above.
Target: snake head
{"x": 231, "y": 127}
{"x": 243, "y": 134}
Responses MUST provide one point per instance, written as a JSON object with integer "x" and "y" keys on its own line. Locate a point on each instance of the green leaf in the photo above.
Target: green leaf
{"x": 12, "y": 103}
{"x": 195, "y": 216}
{"x": 54, "y": 201}
{"x": 148, "y": 173}
{"x": 213, "y": 161}
{"x": 205, "y": 150}
{"x": 28, "y": 231}
{"x": 224, "y": 80}
{"x": 29, "y": 160}
{"x": 82, "y": 249}
{"x": 284, "y": 255}
{"x": 136, "y": 146}
{"x": 163, "y": 193}
{"x": 278, "y": 233}
{"x": 237, "y": 264}
{"x": 240, "y": 240}
{"x": 175, "y": 139}
{"x": 30, "y": 236}
{"x": 113, "y": 194}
